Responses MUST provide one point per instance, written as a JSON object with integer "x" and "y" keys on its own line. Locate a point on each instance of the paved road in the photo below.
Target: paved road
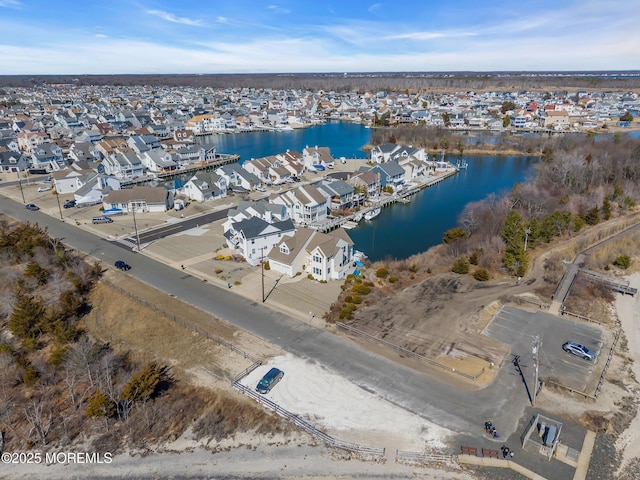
{"x": 461, "y": 411}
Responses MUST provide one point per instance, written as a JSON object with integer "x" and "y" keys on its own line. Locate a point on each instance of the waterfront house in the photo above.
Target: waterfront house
{"x": 391, "y": 174}
{"x": 382, "y": 153}
{"x": 236, "y": 176}
{"x": 254, "y": 237}
{"x": 338, "y": 192}
{"x": 269, "y": 212}
{"x": 326, "y": 256}
{"x": 143, "y": 143}
{"x": 122, "y": 165}
{"x": 261, "y": 167}
{"x": 305, "y": 205}
{"x": 366, "y": 182}
{"x": 413, "y": 168}
{"x": 205, "y": 186}
{"x": 158, "y": 161}
{"x": 140, "y": 199}
{"x": 312, "y": 156}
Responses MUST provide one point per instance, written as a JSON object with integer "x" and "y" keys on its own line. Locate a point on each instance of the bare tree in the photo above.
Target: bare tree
{"x": 39, "y": 414}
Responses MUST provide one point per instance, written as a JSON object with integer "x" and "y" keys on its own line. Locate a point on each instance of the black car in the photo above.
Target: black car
{"x": 69, "y": 204}
{"x": 31, "y": 206}
{"x": 122, "y": 265}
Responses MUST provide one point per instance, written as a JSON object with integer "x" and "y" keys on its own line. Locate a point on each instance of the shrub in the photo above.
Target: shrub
{"x": 454, "y": 234}
{"x": 309, "y": 276}
{"x": 413, "y": 268}
{"x": 623, "y": 261}
{"x": 382, "y": 273}
{"x": 58, "y": 355}
{"x": 461, "y": 266}
{"x": 218, "y": 271}
{"x": 481, "y": 274}
{"x": 237, "y": 282}
{"x": 357, "y": 299}
{"x": 473, "y": 258}
{"x": 393, "y": 279}
{"x": 266, "y": 265}
{"x": 361, "y": 289}
{"x": 348, "y": 299}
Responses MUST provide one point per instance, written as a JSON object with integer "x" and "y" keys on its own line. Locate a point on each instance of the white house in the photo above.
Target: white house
{"x": 246, "y": 209}
{"x": 94, "y": 189}
{"x": 254, "y": 238}
{"x": 205, "y": 186}
{"x": 70, "y": 181}
{"x": 326, "y": 256}
{"x": 158, "y": 161}
{"x": 305, "y": 204}
{"x": 312, "y": 156}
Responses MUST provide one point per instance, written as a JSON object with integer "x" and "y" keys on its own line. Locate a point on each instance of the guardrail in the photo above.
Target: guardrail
{"x": 404, "y": 351}
{"x": 327, "y": 439}
{"x": 419, "y": 457}
{"x": 185, "y": 324}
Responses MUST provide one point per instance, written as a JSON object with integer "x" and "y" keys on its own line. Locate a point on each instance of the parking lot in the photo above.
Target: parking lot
{"x": 518, "y": 328}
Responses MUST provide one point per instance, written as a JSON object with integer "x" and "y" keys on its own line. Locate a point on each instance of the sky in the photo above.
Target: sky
{"x": 304, "y": 36}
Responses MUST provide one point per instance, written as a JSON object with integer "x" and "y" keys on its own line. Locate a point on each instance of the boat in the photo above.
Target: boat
{"x": 461, "y": 164}
{"x": 371, "y": 214}
{"x": 357, "y": 217}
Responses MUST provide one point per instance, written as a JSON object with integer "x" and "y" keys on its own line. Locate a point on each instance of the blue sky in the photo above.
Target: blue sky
{"x": 251, "y": 36}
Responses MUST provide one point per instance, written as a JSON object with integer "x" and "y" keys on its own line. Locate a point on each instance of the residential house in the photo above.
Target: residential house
{"x": 205, "y": 186}
{"x": 413, "y": 168}
{"x": 366, "y": 183}
{"x": 143, "y": 143}
{"x": 305, "y": 205}
{"x": 391, "y": 174}
{"x": 236, "y": 176}
{"x": 338, "y": 192}
{"x": 326, "y": 256}
{"x": 47, "y": 156}
{"x": 28, "y": 141}
{"x": 93, "y": 189}
{"x": 158, "y": 161}
{"x": 312, "y": 156}
{"x": 140, "y": 199}
{"x": 11, "y": 161}
{"x": 382, "y": 153}
{"x": 254, "y": 237}
{"x": 122, "y": 165}
{"x": 556, "y": 118}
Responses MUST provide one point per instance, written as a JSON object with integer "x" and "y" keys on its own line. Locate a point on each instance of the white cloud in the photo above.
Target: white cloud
{"x": 278, "y": 9}
{"x": 101, "y": 35}
{"x": 429, "y": 35}
{"x": 170, "y": 17}
{"x": 374, "y": 8}
{"x": 10, "y": 4}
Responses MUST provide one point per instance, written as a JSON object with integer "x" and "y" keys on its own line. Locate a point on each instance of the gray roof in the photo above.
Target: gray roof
{"x": 392, "y": 168}
{"x": 254, "y": 227}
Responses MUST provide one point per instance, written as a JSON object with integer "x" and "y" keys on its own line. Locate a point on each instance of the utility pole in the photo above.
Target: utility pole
{"x": 262, "y": 270}
{"x": 20, "y": 183}
{"x": 135, "y": 224}
{"x": 526, "y": 237}
{"x": 59, "y": 208}
{"x": 535, "y": 349}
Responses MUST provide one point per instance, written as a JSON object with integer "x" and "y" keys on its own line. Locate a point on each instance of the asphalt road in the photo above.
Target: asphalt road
{"x": 463, "y": 411}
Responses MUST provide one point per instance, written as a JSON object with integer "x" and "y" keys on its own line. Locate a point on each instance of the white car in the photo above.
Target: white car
{"x": 260, "y": 188}
{"x": 44, "y": 189}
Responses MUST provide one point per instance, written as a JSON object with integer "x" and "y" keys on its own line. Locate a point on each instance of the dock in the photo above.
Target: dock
{"x": 349, "y": 221}
{"x": 221, "y": 159}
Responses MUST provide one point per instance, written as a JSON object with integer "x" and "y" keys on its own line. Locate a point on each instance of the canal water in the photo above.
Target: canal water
{"x": 400, "y": 230}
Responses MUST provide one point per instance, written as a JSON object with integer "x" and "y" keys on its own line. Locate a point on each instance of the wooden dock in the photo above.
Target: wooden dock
{"x": 221, "y": 159}
{"x": 384, "y": 201}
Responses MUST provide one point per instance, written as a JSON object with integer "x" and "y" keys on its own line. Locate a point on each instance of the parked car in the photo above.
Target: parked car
{"x": 260, "y": 188}
{"x": 579, "y": 350}
{"x": 120, "y": 265}
{"x": 44, "y": 189}
{"x": 69, "y": 204}
{"x": 31, "y": 206}
{"x": 271, "y": 378}
{"x": 47, "y": 180}
{"x": 101, "y": 219}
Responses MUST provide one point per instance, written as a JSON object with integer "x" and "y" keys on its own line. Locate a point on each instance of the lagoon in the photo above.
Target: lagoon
{"x": 400, "y": 230}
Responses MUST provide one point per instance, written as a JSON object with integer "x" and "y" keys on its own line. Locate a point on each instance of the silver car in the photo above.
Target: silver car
{"x": 579, "y": 350}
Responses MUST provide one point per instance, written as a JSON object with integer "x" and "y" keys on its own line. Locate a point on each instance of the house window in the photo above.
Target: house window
{"x": 317, "y": 258}
{"x": 284, "y": 249}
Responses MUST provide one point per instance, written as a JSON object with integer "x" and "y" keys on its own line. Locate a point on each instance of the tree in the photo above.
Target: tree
{"x": 446, "y": 119}
{"x": 101, "y": 406}
{"x": 593, "y": 216}
{"x": 144, "y": 383}
{"x": 25, "y": 320}
{"x": 606, "y": 208}
{"x": 506, "y": 121}
{"x": 623, "y": 261}
{"x": 454, "y": 234}
{"x": 626, "y": 117}
{"x": 481, "y": 274}
{"x": 507, "y": 106}
{"x": 461, "y": 266}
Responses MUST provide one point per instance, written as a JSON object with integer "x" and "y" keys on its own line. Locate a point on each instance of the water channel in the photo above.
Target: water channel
{"x": 400, "y": 230}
